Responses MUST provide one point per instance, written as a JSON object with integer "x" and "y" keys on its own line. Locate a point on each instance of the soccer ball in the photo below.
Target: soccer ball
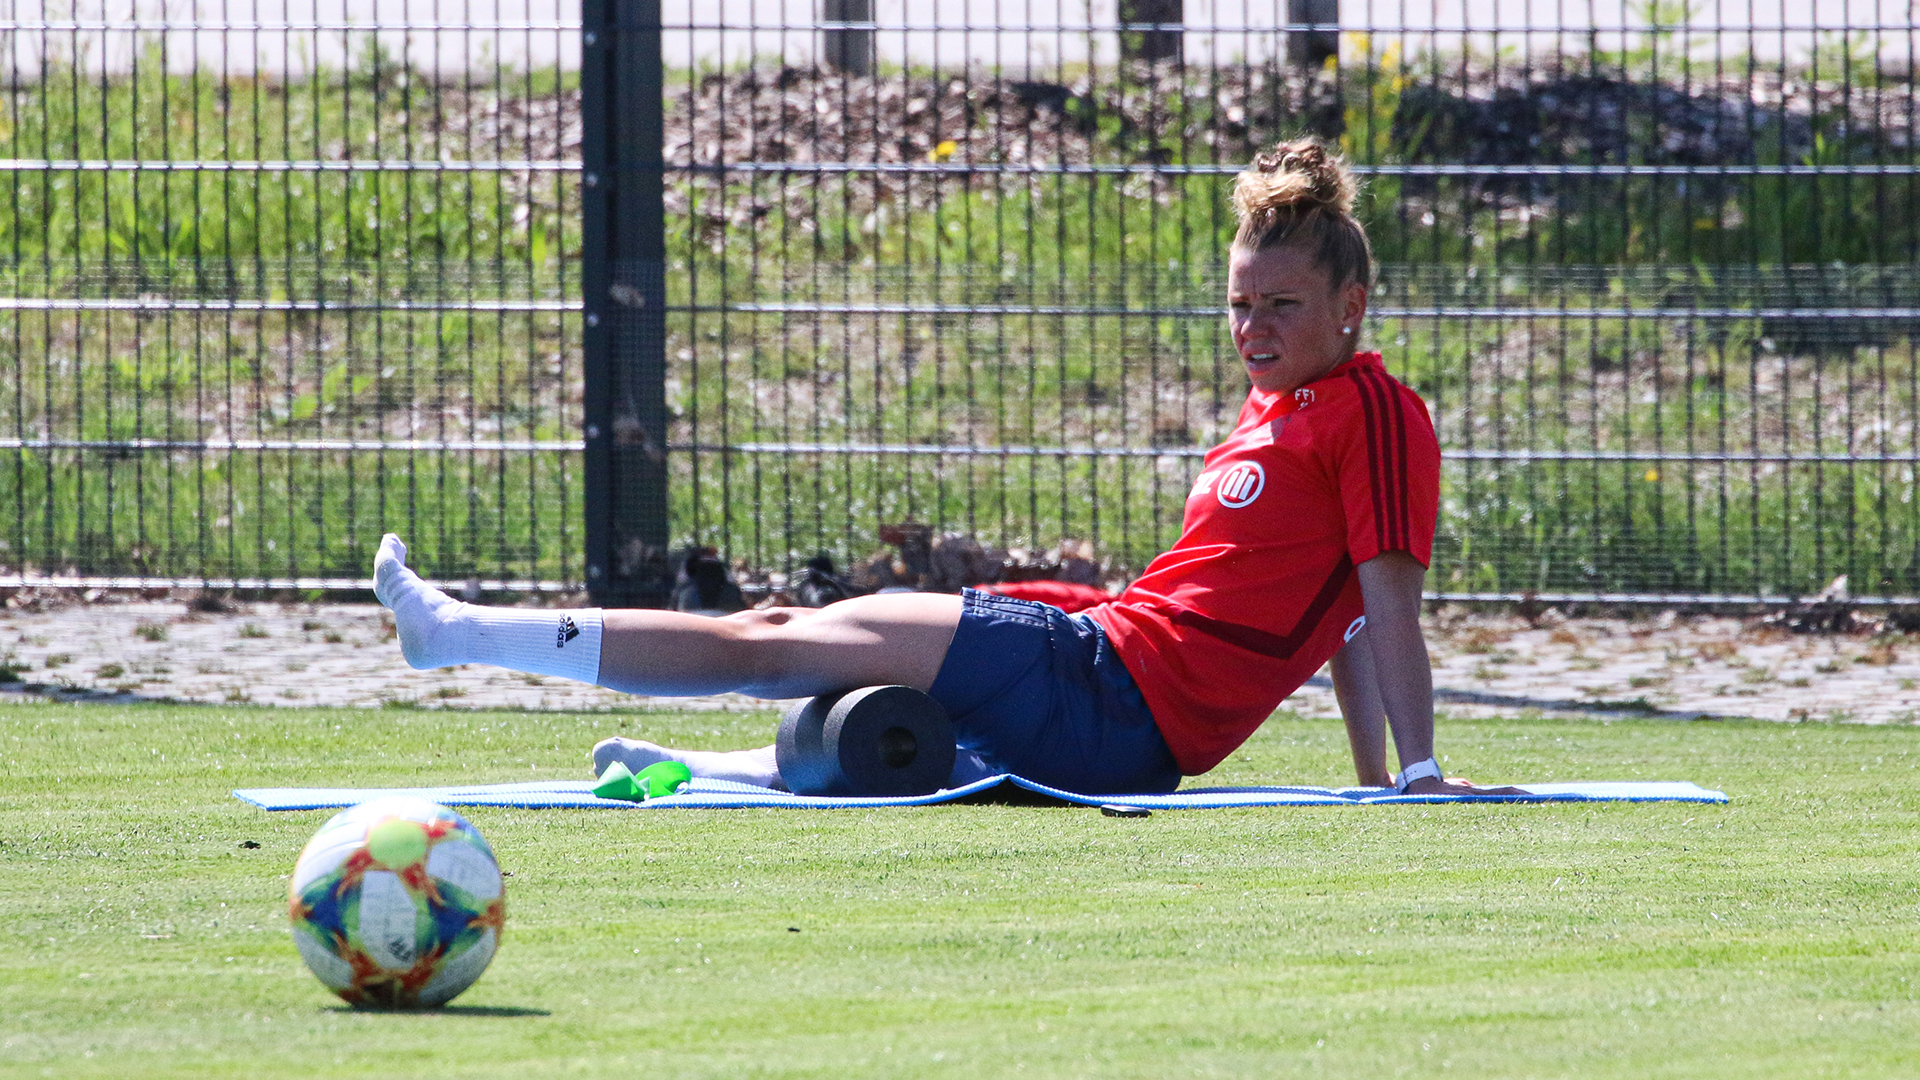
{"x": 396, "y": 903}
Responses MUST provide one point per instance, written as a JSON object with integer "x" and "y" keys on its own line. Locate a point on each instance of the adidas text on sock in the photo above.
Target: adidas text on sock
{"x": 560, "y": 643}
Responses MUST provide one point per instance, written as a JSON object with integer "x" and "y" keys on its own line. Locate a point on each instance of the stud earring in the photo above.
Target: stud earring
{"x": 1346, "y": 329}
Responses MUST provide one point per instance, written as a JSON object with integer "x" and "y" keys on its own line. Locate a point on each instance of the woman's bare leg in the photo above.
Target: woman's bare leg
{"x": 777, "y": 653}
{"x": 780, "y": 652}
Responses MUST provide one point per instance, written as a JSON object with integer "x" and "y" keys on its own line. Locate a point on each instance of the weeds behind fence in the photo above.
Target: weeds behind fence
{"x": 260, "y": 311}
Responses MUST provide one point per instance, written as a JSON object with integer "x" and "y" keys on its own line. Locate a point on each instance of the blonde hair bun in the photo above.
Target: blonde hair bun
{"x": 1302, "y": 192}
{"x": 1296, "y": 176}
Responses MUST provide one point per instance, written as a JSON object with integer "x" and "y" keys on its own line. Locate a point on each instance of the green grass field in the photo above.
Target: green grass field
{"x": 1773, "y": 936}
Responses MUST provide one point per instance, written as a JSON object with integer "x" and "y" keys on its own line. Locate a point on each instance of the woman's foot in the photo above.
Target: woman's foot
{"x": 432, "y": 632}
{"x": 438, "y": 631}
{"x": 757, "y": 766}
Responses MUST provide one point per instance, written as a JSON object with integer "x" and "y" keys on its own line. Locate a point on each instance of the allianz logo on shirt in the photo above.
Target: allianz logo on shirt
{"x": 1236, "y": 487}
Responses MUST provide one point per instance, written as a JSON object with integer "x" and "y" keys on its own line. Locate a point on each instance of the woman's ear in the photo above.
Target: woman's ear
{"x": 1354, "y": 303}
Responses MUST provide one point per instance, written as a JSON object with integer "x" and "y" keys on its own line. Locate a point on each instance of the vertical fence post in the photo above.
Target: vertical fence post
{"x": 1310, "y": 48}
{"x": 623, "y": 282}
{"x": 844, "y": 49}
{"x": 1325, "y": 111}
{"x": 1150, "y": 45}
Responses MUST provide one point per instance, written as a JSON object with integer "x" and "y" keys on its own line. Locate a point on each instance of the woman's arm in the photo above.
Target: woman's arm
{"x": 1357, "y": 687}
{"x": 1390, "y": 585}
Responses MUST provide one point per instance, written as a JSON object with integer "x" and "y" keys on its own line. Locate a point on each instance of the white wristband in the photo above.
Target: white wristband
{"x": 1419, "y": 770}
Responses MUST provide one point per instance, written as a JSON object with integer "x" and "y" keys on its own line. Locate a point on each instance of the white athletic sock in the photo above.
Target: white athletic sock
{"x": 438, "y": 631}
{"x": 757, "y": 766}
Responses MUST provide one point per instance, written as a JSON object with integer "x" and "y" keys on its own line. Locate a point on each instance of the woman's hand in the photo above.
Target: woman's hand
{"x": 1456, "y": 785}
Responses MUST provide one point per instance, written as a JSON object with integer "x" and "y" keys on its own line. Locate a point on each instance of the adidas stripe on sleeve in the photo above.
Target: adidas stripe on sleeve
{"x": 1389, "y": 470}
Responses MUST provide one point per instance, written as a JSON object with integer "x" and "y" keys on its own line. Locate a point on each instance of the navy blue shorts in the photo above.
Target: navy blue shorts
{"x": 1041, "y": 693}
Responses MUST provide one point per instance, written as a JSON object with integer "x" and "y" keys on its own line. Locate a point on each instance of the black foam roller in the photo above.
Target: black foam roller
{"x": 879, "y": 740}
{"x": 891, "y": 740}
{"x": 805, "y": 765}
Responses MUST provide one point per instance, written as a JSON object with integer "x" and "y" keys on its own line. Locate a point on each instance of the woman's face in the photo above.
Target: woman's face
{"x": 1287, "y": 319}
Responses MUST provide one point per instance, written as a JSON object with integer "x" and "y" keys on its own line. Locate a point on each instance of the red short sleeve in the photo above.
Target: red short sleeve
{"x": 1388, "y": 470}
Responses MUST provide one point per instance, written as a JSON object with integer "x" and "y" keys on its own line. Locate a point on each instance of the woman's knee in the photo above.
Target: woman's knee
{"x": 794, "y": 651}
{"x": 765, "y": 625}
{"x": 771, "y": 643}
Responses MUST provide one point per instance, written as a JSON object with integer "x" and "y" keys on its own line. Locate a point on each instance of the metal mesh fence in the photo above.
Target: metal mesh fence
{"x": 277, "y": 276}
{"x": 1650, "y": 265}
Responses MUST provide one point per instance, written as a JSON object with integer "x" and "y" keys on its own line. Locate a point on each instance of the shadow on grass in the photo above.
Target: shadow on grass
{"x": 1639, "y": 706}
{"x": 444, "y": 1010}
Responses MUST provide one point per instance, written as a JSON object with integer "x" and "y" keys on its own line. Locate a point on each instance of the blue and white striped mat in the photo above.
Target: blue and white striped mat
{"x": 725, "y": 794}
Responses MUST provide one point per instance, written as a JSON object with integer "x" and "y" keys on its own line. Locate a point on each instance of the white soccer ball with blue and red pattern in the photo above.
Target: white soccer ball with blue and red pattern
{"x": 397, "y": 903}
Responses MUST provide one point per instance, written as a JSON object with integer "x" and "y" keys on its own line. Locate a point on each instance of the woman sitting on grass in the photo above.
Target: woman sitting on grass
{"x": 1305, "y": 540}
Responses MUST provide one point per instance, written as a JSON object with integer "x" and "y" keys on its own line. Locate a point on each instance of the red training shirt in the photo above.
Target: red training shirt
{"x": 1260, "y": 589}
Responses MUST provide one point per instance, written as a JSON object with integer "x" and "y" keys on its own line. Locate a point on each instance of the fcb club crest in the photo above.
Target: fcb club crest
{"x": 1241, "y": 484}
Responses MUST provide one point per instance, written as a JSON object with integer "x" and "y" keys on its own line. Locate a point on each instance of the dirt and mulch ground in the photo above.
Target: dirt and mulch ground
{"x": 117, "y": 647}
